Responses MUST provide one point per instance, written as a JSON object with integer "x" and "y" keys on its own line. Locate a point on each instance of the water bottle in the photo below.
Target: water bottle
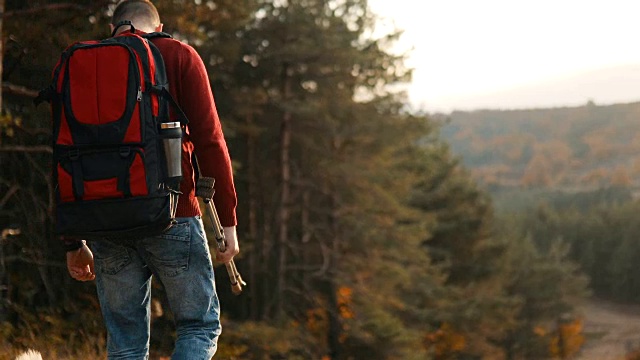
{"x": 171, "y": 134}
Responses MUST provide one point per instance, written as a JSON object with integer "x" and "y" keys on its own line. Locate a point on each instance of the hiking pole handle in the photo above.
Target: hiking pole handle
{"x": 204, "y": 189}
{"x": 232, "y": 271}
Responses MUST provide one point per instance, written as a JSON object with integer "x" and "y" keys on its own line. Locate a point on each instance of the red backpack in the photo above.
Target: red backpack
{"x": 110, "y": 103}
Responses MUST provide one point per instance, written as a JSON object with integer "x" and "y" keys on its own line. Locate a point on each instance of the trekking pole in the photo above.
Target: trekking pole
{"x": 204, "y": 189}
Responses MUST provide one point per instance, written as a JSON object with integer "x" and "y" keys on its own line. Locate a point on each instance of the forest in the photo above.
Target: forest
{"x": 570, "y": 148}
{"x": 365, "y": 230}
{"x": 564, "y": 178}
{"x": 568, "y": 172}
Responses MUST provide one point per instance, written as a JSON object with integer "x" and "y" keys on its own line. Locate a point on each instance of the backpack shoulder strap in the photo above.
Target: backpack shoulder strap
{"x": 162, "y": 89}
{"x": 120, "y": 24}
{"x": 154, "y": 35}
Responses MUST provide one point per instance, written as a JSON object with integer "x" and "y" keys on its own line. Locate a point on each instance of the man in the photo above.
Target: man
{"x": 180, "y": 257}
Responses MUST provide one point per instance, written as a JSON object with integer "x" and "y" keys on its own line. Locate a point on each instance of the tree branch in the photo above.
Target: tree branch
{"x": 12, "y": 190}
{"x": 27, "y": 149}
{"x": 33, "y": 131}
{"x": 9, "y": 88}
{"x": 28, "y": 260}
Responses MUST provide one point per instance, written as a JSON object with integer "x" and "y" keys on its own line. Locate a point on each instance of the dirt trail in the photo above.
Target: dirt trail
{"x": 611, "y": 330}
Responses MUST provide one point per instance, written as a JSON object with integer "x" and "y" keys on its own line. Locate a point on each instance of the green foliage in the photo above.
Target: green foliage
{"x": 523, "y": 200}
{"x": 547, "y": 285}
{"x": 602, "y": 238}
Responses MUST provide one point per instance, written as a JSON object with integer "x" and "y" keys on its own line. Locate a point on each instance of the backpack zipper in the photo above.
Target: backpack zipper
{"x": 132, "y": 52}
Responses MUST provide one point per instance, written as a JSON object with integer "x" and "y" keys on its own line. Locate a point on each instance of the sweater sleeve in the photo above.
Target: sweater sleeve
{"x": 205, "y": 131}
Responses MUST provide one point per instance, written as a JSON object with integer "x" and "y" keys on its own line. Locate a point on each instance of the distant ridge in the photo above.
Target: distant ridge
{"x": 582, "y": 147}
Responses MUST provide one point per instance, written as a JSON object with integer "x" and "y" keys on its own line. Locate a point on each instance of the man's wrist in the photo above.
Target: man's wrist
{"x": 73, "y": 245}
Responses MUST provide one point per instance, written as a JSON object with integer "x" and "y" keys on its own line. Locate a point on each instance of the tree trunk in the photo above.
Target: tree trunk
{"x": 305, "y": 224}
{"x": 4, "y": 284}
{"x": 1, "y": 47}
{"x": 306, "y": 207}
{"x": 335, "y": 325}
{"x": 285, "y": 179}
{"x": 252, "y": 220}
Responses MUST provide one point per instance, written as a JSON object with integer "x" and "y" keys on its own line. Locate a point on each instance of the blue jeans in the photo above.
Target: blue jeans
{"x": 181, "y": 260}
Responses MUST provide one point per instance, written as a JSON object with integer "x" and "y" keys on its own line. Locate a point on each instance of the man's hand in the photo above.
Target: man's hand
{"x": 80, "y": 264}
{"x": 233, "y": 248}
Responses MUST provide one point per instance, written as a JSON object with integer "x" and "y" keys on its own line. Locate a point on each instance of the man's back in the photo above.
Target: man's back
{"x": 189, "y": 85}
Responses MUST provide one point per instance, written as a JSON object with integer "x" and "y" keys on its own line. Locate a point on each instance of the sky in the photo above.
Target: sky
{"x": 469, "y": 54}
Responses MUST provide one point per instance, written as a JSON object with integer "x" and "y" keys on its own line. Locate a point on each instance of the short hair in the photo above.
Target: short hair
{"x": 142, "y": 13}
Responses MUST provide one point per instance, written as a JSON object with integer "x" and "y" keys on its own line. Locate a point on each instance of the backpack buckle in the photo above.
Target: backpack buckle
{"x": 74, "y": 154}
{"x": 125, "y": 151}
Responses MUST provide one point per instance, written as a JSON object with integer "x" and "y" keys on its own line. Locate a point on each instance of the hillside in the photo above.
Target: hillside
{"x": 576, "y": 148}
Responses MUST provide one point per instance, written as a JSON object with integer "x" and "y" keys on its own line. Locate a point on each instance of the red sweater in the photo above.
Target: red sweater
{"x": 190, "y": 87}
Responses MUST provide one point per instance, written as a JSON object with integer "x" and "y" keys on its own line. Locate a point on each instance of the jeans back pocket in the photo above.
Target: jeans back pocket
{"x": 110, "y": 258}
{"x": 169, "y": 252}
